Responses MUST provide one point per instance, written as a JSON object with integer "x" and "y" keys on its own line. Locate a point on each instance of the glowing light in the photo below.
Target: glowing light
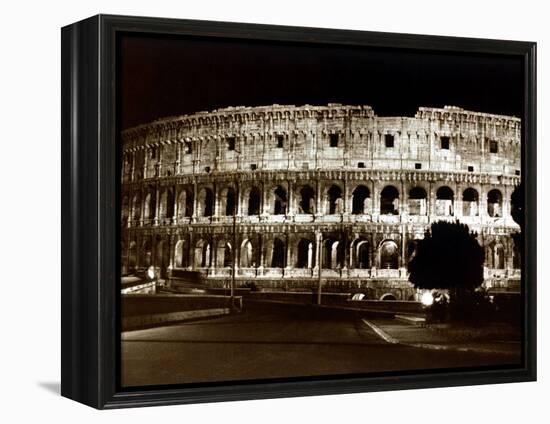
{"x": 151, "y": 273}
{"x": 427, "y": 299}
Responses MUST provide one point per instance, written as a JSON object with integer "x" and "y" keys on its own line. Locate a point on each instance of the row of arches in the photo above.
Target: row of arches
{"x": 306, "y": 202}
{"x": 205, "y": 253}
{"x": 336, "y": 253}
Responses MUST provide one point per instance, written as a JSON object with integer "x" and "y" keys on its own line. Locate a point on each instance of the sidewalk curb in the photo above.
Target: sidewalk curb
{"x": 458, "y": 349}
{"x": 390, "y": 339}
{"x": 381, "y": 333}
{"x": 415, "y": 320}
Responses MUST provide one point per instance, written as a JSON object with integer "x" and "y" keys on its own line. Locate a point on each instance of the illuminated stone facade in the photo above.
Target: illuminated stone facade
{"x": 265, "y": 191}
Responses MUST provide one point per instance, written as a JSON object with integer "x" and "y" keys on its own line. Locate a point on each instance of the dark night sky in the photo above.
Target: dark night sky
{"x": 168, "y": 76}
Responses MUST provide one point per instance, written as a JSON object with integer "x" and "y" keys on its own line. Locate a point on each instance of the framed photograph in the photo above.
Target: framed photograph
{"x": 254, "y": 211}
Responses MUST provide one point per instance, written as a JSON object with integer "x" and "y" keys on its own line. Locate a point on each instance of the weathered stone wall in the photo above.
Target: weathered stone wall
{"x": 271, "y": 187}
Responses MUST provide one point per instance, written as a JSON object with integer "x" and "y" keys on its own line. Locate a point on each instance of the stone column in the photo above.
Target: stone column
{"x": 195, "y": 213}
{"x": 318, "y": 207}
{"x": 215, "y": 206}
{"x": 157, "y": 205}
{"x": 376, "y": 193}
{"x": 346, "y": 199}
{"x": 177, "y": 165}
{"x": 506, "y": 205}
{"x": 262, "y": 253}
{"x": 142, "y": 206}
{"x": 318, "y": 251}
{"x": 172, "y": 247}
{"x": 159, "y": 161}
{"x": 290, "y": 206}
{"x": 288, "y": 256}
{"x": 403, "y": 203}
{"x": 458, "y": 207}
{"x": 145, "y": 160}
{"x": 403, "y": 247}
{"x": 175, "y": 209}
{"x": 238, "y": 199}
{"x": 431, "y": 201}
{"x": 132, "y": 169}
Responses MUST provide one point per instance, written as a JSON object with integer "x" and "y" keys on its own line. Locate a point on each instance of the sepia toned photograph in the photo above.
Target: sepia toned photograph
{"x": 292, "y": 210}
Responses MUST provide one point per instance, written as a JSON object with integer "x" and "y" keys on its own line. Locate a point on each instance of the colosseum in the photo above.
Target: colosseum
{"x": 261, "y": 196}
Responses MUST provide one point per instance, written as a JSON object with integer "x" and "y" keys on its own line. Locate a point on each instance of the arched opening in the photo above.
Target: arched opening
{"x": 307, "y": 200}
{"x": 136, "y": 210}
{"x": 389, "y": 201}
{"x": 206, "y": 202}
{"x": 499, "y": 256}
{"x": 389, "y": 255}
{"x": 362, "y": 251}
{"x": 388, "y": 296}
{"x": 334, "y": 199}
{"x": 254, "y": 199}
{"x": 444, "y": 201}
{"x": 489, "y": 256}
{"x": 227, "y": 255}
{"x": 494, "y": 203}
{"x": 125, "y": 210}
{"x": 202, "y": 254}
{"x": 305, "y": 254}
{"x": 361, "y": 202}
{"x": 181, "y": 254}
{"x": 150, "y": 205}
{"x": 146, "y": 259}
{"x": 229, "y": 201}
{"x": 470, "y": 202}
{"x": 166, "y": 207}
{"x": 248, "y": 259}
{"x": 185, "y": 204}
{"x": 333, "y": 257}
{"x": 132, "y": 256}
{"x": 278, "y": 255}
{"x": 417, "y": 201}
{"x": 279, "y": 201}
{"x": 162, "y": 259}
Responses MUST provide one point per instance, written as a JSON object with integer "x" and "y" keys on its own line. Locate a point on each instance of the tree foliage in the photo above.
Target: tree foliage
{"x": 449, "y": 257}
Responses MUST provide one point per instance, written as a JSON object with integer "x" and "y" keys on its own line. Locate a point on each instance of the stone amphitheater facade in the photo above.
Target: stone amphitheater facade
{"x": 263, "y": 195}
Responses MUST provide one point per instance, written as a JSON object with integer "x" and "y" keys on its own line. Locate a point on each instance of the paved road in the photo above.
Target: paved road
{"x": 272, "y": 342}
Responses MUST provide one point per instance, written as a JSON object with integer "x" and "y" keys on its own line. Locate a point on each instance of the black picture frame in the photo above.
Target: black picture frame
{"x": 90, "y": 213}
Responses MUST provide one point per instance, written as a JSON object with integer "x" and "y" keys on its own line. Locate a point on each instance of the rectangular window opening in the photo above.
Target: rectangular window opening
{"x": 445, "y": 142}
{"x": 470, "y": 169}
{"x": 417, "y": 166}
{"x": 188, "y": 148}
{"x": 253, "y": 166}
{"x": 280, "y": 141}
{"x": 389, "y": 139}
{"x": 230, "y": 143}
{"x": 493, "y": 146}
{"x": 333, "y": 140}
{"x": 360, "y": 164}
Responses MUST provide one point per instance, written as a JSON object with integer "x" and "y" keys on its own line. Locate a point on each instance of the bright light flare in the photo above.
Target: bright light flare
{"x": 427, "y": 299}
{"x": 151, "y": 273}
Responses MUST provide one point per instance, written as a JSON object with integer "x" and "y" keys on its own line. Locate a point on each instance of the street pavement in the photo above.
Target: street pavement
{"x": 277, "y": 341}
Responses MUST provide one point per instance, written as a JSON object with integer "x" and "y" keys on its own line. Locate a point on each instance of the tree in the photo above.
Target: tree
{"x": 449, "y": 257}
